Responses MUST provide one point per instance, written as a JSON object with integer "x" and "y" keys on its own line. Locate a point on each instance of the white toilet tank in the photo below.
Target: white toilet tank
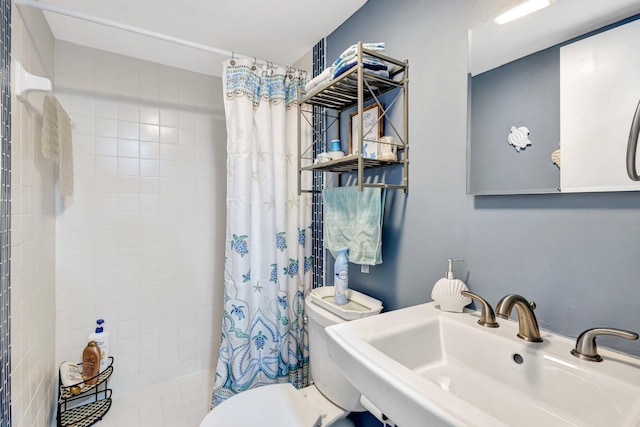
{"x": 322, "y": 312}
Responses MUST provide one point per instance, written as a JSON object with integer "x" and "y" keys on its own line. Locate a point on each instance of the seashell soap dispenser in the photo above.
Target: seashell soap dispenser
{"x": 446, "y": 291}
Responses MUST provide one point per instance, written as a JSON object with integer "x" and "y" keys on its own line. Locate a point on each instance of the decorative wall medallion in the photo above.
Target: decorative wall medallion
{"x": 519, "y": 137}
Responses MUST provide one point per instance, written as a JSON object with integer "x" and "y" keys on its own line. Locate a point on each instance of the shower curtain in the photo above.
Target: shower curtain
{"x": 268, "y": 249}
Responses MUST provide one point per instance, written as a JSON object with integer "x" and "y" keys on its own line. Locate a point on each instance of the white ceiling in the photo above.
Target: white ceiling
{"x": 492, "y": 45}
{"x": 280, "y": 31}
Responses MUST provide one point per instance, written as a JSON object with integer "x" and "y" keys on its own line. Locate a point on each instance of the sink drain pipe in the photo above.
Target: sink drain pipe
{"x": 376, "y": 412}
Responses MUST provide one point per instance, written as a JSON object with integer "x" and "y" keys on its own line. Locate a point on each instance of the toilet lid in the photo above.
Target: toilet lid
{"x": 277, "y": 405}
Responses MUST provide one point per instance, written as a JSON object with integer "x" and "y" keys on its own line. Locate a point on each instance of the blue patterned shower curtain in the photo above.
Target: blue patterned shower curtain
{"x": 268, "y": 255}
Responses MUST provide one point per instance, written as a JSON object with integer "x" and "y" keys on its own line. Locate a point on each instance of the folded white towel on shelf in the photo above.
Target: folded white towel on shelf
{"x": 349, "y": 58}
{"x": 353, "y": 50}
{"x": 319, "y": 79}
{"x": 381, "y": 73}
{"x": 347, "y": 65}
{"x": 367, "y": 59}
{"x": 57, "y": 142}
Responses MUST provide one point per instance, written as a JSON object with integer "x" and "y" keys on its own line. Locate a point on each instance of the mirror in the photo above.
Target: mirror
{"x": 523, "y": 112}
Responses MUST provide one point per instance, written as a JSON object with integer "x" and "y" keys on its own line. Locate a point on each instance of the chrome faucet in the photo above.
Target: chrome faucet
{"x": 528, "y": 325}
{"x": 586, "y": 348}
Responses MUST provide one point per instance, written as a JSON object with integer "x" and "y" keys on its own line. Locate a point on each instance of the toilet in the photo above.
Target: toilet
{"x": 325, "y": 403}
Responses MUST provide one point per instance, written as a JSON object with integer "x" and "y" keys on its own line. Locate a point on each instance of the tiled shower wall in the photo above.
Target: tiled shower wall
{"x": 32, "y": 238}
{"x": 141, "y": 242}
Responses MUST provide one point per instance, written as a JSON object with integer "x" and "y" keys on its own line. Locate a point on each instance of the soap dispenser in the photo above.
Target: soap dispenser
{"x": 446, "y": 291}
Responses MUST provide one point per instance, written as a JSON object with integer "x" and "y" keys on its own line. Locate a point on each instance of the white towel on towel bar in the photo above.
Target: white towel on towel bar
{"x": 57, "y": 142}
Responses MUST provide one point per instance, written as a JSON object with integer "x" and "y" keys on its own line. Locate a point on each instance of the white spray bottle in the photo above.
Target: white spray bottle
{"x": 341, "y": 278}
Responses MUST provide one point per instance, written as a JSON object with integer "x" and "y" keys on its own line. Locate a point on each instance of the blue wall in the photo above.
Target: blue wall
{"x": 525, "y": 92}
{"x": 576, "y": 255}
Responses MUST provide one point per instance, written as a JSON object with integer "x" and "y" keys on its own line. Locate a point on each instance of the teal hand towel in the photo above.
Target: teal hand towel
{"x": 353, "y": 219}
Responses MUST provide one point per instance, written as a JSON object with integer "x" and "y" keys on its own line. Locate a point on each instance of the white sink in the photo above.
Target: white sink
{"x": 421, "y": 366}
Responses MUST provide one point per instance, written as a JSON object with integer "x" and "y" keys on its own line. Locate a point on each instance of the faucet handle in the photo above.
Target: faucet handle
{"x": 487, "y": 317}
{"x": 586, "y": 348}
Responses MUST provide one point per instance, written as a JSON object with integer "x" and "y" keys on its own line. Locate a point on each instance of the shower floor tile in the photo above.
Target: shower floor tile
{"x": 182, "y": 402}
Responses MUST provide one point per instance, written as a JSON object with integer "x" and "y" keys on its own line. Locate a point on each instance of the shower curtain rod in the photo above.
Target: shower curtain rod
{"x": 138, "y": 30}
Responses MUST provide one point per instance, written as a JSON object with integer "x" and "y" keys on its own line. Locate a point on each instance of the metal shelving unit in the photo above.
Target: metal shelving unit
{"x": 357, "y": 87}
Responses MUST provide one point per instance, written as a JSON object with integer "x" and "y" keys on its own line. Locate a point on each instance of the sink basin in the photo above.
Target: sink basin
{"x": 421, "y": 366}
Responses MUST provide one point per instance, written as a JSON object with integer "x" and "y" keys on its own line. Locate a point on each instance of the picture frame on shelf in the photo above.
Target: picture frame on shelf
{"x": 372, "y": 123}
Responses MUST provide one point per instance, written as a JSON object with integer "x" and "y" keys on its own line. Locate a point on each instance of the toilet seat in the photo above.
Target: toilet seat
{"x": 277, "y": 405}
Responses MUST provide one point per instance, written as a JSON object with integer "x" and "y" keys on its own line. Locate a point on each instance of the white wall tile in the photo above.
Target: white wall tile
{"x": 82, "y": 123}
{"x": 150, "y": 114}
{"x": 128, "y": 148}
{"x": 187, "y": 120}
{"x": 106, "y": 165}
{"x": 149, "y": 150}
{"x": 149, "y": 185}
{"x": 128, "y": 130}
{"x": 129, "y": 311}
{"x": 169, "y": 169}
{"x": 127, "y": 248}
{"x": 169, "y": 185}
{"x": 188, "y": 137}
{"x": 128, "y": 166}
{"x": 83, "y": 144}
{"x": 149, "y": 132}
{"x": 149, "y": 202}
{"x": 105, "y": 146}
{"x": 105, "y": 83}
{"x": 128, "y": 202}
{"x": 106, "y": 127}
{"x": 169, "y": 152}
{"x": 106, "y": 108}
{"x": 129, "y": 185}
{"x": 169, "y": 117}
{"x": 128, "y": 111}
{"x": 79, "y": 104}
{"x": 169, "y": 134}
{"x": 187, "y": 154}
{"x": 105, "y": 183}
{"x": 149, "y": 168}
{"x": 72, "y": 340}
